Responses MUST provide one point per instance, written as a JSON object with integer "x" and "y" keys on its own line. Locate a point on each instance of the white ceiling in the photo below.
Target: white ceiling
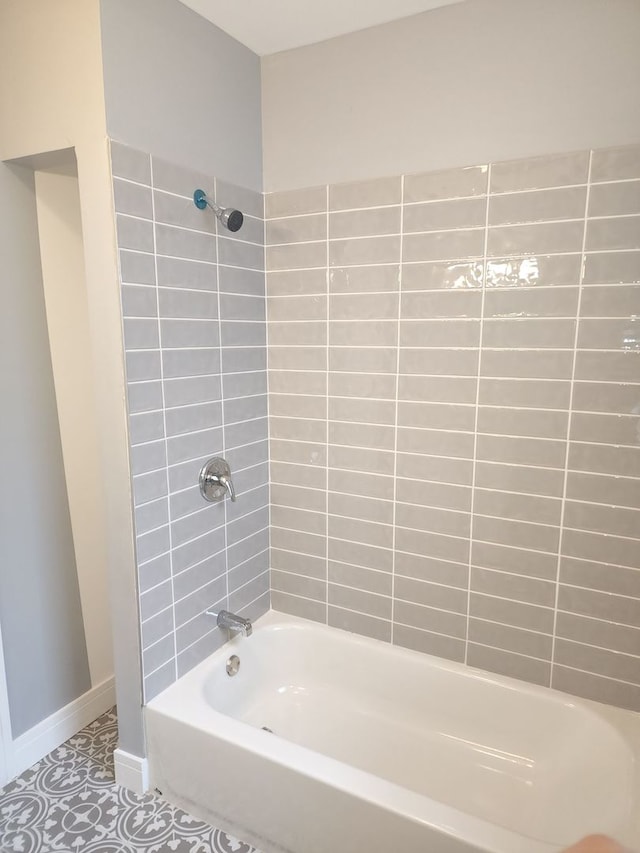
{"x": 267, "y": 26}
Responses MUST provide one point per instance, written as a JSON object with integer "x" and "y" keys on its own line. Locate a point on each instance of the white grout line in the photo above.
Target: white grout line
{"x": 570, "y": 418}
{"x": 327, "y": 373}
{"x": 164, "y": 420}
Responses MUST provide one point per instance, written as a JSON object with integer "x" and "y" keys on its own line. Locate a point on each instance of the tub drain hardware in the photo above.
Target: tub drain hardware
{"x": 233, "y": 665}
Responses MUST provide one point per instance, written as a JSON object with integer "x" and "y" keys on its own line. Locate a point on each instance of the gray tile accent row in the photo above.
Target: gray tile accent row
{"x": 195, "y": 339}
{"x": 454, "y": 386}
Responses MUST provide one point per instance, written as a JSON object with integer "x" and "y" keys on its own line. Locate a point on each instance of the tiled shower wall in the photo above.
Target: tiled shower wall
{"x": 194, "y": 329}
{"x": 454, "y": 381}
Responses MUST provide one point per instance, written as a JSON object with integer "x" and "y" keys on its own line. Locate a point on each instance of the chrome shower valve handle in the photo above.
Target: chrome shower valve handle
{"x": 215, "y": 480}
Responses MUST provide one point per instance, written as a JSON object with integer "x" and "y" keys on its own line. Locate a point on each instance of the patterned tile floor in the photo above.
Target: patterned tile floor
{"x": 69, "y": 802}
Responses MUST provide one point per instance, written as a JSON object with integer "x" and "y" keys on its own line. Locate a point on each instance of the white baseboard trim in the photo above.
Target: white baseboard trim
{"x": 131, "y": 771}
{"x": 54, "y": 730}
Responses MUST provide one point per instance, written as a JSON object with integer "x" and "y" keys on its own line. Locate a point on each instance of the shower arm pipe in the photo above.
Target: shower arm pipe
{"x": 231, "y": 218}
{"x": 202, "y": 202}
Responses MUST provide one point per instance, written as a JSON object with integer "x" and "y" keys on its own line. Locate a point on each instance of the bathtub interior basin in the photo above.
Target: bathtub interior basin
{"x": 544, "y": 767}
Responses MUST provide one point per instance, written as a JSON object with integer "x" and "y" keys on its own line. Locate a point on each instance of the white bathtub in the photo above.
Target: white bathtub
{"x": 376, "y": 749}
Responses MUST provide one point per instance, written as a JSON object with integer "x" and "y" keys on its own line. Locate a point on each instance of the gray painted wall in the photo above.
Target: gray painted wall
{"x": 182, "y": 89}
{"x": 43, "y": 633}
{"x": 471, "y": 83}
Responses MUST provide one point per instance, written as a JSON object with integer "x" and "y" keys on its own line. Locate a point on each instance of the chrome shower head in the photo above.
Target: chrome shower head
{"x": 231, "y": 218}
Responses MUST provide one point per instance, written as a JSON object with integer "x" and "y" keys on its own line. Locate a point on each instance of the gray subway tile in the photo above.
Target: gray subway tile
{"x": 379, "y": 191}
{"x": 132, "y": 199}
{"x": 299, "y": 564}
{"x": 538, "y": 270}
{"x": 190, "y": 527}
{"x": 137, "y": 268}
{"x": 545, "y": 453}
{"x": 448, "y": 183}
{"x": 159, "y": 680}
{"x": 429, "y": 643}
{"x": 503, "y": 558}
{"x": 605, "y": 428}
{"x": 241, "y": 281}
{"x": 508, "y": 612}
{"x": 598, "y": 632}
{"x": 296, "y": 282}
{"x": 371, "y": 222}
{"x": 359, "y": 577}
{"x": 242, "y": 551}
{"x": 538, "y": 172}
{"x": 602, "y": 519}
{"x": 178, "y": 363}
{"x": 147, "y": 487}
{"x": 517, "y": 478}
{"x": 555, "y": 204}
{"x": 182, "y": 243}
{"x": 599, "y": 605}
{"x": 305, "y": 608}
{"x": 170, "y": 209}
{"x": 140, "y": 334}
{"x": 148, "y": 457}
{"x": 235, "y": 253}
{"x": 257, "y": 588}
{"x": 142, "y": 365}
{"x": 524, "y": 393}
{"x": 430, "y": 619}
{"x": 144, "y": 396}
{"x": 509, "y": 664}
{"x": 525, "y": 422}
{"x": 510, "y": 639}
{"x": 431, "y": 569}
{"x": 367, "y": 603}
{"x": 544, "y": 333}
{"x": 158, "y": 654}
{"x": 517, "y": 533}
{"x": 360, "y": 554}
{"x": 600, "y": 576}
{"x": 187, "y": 304}
{"x": 601, "y": 548}
{"x": 621, "y": 232}
{"x": 440, "y": 215}
{"x": 294, "y": 256}
{"x": 156, "y": 600}
{"x": 150, "y": 545}
{"x": 146, "y": 426}
{"x": 437, "y": 389}
{"x": 443, "y": 275}
{"x": 157, "y": 627}
{"x": 615, "y": 164}
{"x": 442, "y": 245}
{"x": 134, "y": 233}
{"x": 605, "y": 459}
{"x": 359, "y": 623}
{"x": 614, "y": 199}
{"x": 513, "y": 586}
{"x": 249, "y": 201}
{"x": 130, "y": 163}
{"x": 612, "y": 268}
{"x": 294, "y": 202}
{"x": 544, "y": 238}
{"x": 179, "y": 179}
{"x": 431, "y": 594}
{"x": 364, "y": 250}
{"x": 595, "y": 687}
{"x": 438, "y": 333}
{"x": 535, "y": 508}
